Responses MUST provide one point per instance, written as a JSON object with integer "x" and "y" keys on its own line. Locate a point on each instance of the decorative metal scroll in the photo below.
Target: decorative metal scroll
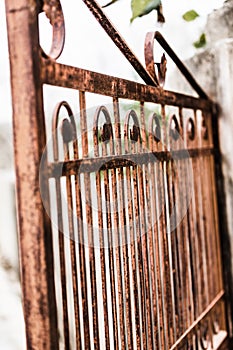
{"x": 53, "y": 11}
{"x": 132, "y": 205}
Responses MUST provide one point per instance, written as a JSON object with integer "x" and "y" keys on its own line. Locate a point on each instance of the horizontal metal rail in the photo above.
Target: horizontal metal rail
{"x": 90, "y": 165}
{"x": 61, "y": 75}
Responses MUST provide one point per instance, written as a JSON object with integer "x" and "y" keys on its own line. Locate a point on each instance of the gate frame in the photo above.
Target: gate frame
{"x": 35, "y": 240}
{"x": 29, "y": 141}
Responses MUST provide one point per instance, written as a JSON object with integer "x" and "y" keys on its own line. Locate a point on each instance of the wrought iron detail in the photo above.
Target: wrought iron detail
{"x": 174, "y": 132}
{"x": 53, "y": 11}
{"x": 191, "y": 129}
{"x": 150, "y": 63}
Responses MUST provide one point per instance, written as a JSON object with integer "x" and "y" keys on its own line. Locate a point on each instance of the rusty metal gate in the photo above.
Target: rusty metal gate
{"x": 117, "y": 209}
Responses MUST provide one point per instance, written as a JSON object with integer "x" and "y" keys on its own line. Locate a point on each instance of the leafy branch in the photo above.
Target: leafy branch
{"x": 141, "y": 8}
{"x": 191, "y": 16}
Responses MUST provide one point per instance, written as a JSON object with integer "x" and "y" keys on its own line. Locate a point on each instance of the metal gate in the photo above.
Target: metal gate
{"x": 117, "y": 209}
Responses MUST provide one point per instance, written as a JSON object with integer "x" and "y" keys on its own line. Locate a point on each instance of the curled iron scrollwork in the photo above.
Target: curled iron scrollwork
{"x": 53, "y": 11}
{"x": 67, "y": 127}
{"x": 105, "y": 133}
{"x": 216, "y": 323}
{"x": 191, "y": 132}
{"x": 204, "y": 130}
{"x": 131, "y": 131}
{"x": 174, "y": 128}
{"x": 150, "y": 63}
{"x": 205, "y": 338}
{"x": 155, "y": 127}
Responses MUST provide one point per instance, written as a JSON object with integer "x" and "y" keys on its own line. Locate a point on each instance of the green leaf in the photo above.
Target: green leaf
{"x": 200, "y": 42}
{"x": 143, "y": 7}
{"x": 190, "y": 15}
{"x": 110, "y": 3}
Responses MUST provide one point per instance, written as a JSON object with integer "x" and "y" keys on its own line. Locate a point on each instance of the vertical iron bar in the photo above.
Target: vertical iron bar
{"x": 103, "y": 247}
{"x": 82, "y": 262}
{"x": 143, "y": 272}
{"x": 167, "y": 261}
{"x": 119, "y": 289}
{"x": 135, "y": 263}
{"x": 186, "y": 188}
{"x": 199, "y": 216}
{"x": 147, "y": 235}
{"x": 36, "y": 249}
{"x": 192, "y": 221}
{"x": 178, "y": 306}
{"x": 61, "y": 239}
{"x": 105, "y": 242}
{"x": 90, "y": 233}
{"x": 73, "y": 245}
{"x": 161, "y": 227}
{"x": 156, "y": 207}
{"x": 124, "y": 242}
